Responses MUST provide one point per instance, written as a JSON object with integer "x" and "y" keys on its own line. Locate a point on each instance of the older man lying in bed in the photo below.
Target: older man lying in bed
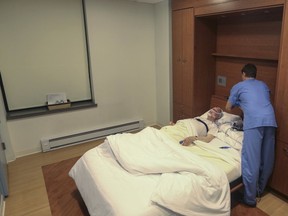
{"x": 203, "y": 128}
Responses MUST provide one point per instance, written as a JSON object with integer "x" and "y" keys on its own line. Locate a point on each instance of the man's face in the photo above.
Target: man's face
{"x": 214, "y": 114}
{"x": 210, "y": 118}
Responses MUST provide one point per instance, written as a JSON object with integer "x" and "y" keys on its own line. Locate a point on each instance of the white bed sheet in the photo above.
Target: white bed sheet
{"x": 227, "y": 158}
{"x": 107, "y": 189}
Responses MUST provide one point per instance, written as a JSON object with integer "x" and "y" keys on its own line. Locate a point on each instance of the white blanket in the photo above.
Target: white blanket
{"x": 188, "y": 185}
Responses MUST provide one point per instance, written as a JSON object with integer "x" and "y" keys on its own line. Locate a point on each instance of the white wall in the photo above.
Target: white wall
{"x": 4, "y": 132}
{"x": 130, "y": 74}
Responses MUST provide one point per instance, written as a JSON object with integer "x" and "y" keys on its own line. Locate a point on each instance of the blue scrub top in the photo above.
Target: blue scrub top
{"x": 253, "y": 97}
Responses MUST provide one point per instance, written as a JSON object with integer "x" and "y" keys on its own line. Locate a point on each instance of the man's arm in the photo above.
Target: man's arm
{"x": 189, "y": 140}
{"x": 207, "y": 138}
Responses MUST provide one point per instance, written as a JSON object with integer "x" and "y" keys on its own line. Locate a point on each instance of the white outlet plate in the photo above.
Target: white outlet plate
{"x": 221, "y": 81}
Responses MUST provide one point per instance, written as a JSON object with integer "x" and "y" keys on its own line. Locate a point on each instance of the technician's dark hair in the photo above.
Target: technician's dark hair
{"x": 250, "y": 70}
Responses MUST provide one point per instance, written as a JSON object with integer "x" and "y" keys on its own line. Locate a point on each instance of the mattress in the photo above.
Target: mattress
{"x": 108, "y": 189}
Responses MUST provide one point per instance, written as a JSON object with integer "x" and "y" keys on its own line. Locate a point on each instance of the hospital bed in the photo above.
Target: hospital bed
{"x": 150, "y": 174}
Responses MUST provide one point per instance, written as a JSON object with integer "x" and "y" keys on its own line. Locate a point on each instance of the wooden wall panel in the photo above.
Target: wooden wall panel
{"x": 204, "y": 71}
{"x": 234, "y": 6}
{"x": 183, "y": 63}
{"x": 280, "y": 175}
{"x": 281, "y": 103}
{"x": 252, "y": 34}
{"x": 181, "y": 4}
{"x": 177, "y": 40}
{"x": 231, "y": 69}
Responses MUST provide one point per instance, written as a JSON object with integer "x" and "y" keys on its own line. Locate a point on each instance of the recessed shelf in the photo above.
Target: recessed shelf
{"x": 243, "y": 57}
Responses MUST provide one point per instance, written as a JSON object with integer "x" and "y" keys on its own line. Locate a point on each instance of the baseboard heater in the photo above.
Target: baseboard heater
{"x": 49, "y": 144}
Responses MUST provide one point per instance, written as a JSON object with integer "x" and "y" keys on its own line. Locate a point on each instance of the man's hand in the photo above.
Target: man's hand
{"x": 188, "y": 140}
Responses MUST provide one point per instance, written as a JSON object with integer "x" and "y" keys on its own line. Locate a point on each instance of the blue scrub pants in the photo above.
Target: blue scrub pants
{"x": 258, "y": 152}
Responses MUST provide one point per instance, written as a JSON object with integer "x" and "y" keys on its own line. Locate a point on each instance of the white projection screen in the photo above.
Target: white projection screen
{"x": 43, "y": 50}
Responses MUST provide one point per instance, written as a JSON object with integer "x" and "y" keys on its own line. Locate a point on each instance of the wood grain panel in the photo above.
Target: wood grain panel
{"x": 281, "y": 102}
{"x": 231, "y": 69}
{"x": 188, "y": 57}
{"x": 182, "y": 4}
{"x": 204, "y": 70}
{"x": 234, "y": 6}
{"x": 253, "y": 33}
{"x": 183, "y": 62}
{"x": 177, "y": 40}
{"x": 279, "y": 178}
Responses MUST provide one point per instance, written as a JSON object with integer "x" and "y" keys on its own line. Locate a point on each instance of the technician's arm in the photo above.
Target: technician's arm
{"x": 228, "y": 106}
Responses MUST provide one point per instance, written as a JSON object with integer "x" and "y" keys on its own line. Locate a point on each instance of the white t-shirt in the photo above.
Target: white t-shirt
{"x": 212, "y": 127}
{"x": 190, "y": 127}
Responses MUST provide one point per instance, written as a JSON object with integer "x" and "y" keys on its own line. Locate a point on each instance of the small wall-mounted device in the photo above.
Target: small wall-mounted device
{"x": 221, "y": 81}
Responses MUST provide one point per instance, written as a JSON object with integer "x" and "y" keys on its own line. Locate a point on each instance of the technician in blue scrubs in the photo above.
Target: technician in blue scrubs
{"x": 259, "y": 125}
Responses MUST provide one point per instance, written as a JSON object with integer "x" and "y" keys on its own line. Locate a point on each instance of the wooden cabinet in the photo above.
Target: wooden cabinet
{"x": 279, "y": 180}
{"x": 225, "y": 35}
{"x": 183, "y": 43}
{"x": 191, "y": 82}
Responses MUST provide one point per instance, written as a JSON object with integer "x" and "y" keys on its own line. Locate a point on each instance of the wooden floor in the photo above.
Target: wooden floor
{"x": 28, "y": 193}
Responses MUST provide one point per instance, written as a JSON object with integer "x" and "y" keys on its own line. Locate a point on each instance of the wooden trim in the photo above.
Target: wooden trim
{"x": 283, "y": 63}
{"x": 218, "y": 4}
{"x": 182, "y": 4}
{"x": 235, "y": 6}
{"x": 249, "y": 57}
{"x": 281, "y": 93}
{"x": 237, "y": 187}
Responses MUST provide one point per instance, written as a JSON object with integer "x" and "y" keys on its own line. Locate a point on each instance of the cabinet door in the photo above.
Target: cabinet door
{"x": 279, "y": 180}
{"x": 188, "y": 59}
{"x": 183, "y": 49}
{"x": 177, "y": 55}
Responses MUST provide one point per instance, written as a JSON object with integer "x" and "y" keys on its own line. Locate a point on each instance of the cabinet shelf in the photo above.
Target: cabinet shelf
{"x": 244, "y": 57}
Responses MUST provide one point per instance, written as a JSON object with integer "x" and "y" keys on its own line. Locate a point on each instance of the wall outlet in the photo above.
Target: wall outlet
{"x": 221, "y": 81}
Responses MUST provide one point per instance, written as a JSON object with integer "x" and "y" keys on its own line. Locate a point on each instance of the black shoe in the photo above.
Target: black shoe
{"x": 247, "y": 204}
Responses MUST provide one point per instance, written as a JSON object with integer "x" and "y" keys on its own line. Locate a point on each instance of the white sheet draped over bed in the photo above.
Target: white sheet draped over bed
{"x": 188, "y": 184}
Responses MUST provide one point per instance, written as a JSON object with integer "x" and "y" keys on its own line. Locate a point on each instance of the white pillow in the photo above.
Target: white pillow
{"x": 228, "y": 118}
